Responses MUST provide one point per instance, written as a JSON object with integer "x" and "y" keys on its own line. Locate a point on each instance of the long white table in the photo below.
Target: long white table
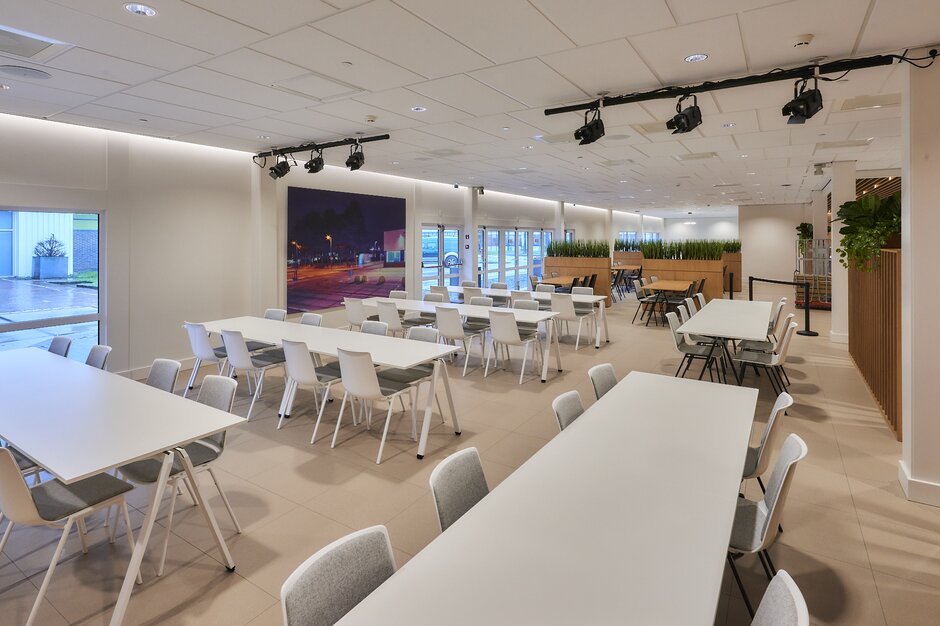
{"x": 546, "y": 318}
{"x": 77, "y": 421}
{"x": 544, "y": 297}
{"x": 623, "y": 518}
{"x": 385, "y": 351}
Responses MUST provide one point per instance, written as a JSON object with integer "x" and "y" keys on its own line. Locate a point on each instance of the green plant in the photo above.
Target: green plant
{"x": 631, "y": 245}
{"x": 689, "y": 249}
{"x": 804, "y": 231}
{"x": 868, "y": 223}
{"x": 579, "y": 248}
{"x": 49, "y": 247}
{"x": 733, "y": 246}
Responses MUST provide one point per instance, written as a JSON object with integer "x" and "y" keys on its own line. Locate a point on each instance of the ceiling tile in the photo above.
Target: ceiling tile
{"x": 729, "y": 123}
{"x": 464, "y": 93}
{"x": 236, "y": 89}
{"x": 548, "y": 124}
{"x": 696, "y": 11}
{"x": 665, "y": 51}
{"x": 151, "y": 124}
{"x": 877, "y": 128}
{"x": 400, "y": 101}
{"x": 147, "y": 107}
{"x": 457, "y": 132}
{"x": 813, "y": 133}
{"x": 358, "y": 111}
{"x": 14, "y": 105}
{"x": 604, "y": 20}
{"x": 288, "y": 14}
{"x": 254, "y": 66}
{"x": 766, "y": 139}
{"x": 330, "y": 125}
{"x": 664, "y": 148}
{"x": 62, "y": 79}
{"x": 90, "y": 63}
{"x": 899, "y": 25}
{"x": 315, "y": 86}
{"x": 380, "y": 27}
{"x": 708, "y": 144}
{"x": 41, "y": 93}
{"x": 531, "y": 82}
{"x": 613, "y": 66}
{"x": 174, "y": 94}
{"x": 424, "y": 140}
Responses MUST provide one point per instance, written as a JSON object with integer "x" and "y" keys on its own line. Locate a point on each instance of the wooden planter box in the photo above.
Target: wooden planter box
{"x": 677, "y": 269}
{"x": 628, "y": 258}
{"x": 732, "y": 261}
{"x": 581, "y": 266}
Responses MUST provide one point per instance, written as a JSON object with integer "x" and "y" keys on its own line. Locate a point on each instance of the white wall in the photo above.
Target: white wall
{"x": 704, "y": 228}
{"x": 587, "y": 222}
{"x": 768, "y": 239}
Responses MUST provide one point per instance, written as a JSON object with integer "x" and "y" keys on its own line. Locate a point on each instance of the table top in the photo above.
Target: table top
{"x": 668, "y": 285}
{"x": 622, "y": 518}
{"x": 731, "y": 319}
{"x": 386, "y": 351}
{"x": 563, "y": 281}
{"x": 77, "y": 421}
{"x": 469, "y": 310}
{"x": 541, "y": 296}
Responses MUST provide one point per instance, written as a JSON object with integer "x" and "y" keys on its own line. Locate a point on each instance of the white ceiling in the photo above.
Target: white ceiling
{"x": 241, "y": 74}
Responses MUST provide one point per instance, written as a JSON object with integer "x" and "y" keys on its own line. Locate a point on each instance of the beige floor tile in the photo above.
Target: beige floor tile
{"x": 416, "y": 526}
{"x": 906, "y": 603}
{"x": 514, "y": 449}
{"x": 902, "y": 551}
{"x": 823, "y": 531}
{"x": 368, "y": 498}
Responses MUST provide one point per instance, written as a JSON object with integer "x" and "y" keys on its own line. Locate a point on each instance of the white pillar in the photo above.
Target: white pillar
{"x": 559, "y": 225}
{"x": 609, "y": 229}
{"x": 469, "y": 251}
{"x": 919, "y": 470}
{"x": 843, "y": 190}
{"x": 820, "y": 219}
{"x": 268, "y": 201}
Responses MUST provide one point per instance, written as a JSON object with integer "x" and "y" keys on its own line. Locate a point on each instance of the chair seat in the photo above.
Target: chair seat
{"x": 756, "y": 346}
{"x": 477, "y": 323}
{"x": 23, "y": 462}
{"x": 55, "y": 500}
{"x": 750, "y": 518}
{"x": 147, "y": 471}
{"x": 406, "y": 376}
{"x": 220, "y": 352}
{"x": 201, "y": 453}
{"x": 253, "y": 346}
{"x": 390, "y": 386}
{"x": 758, "y": 358}
{"x": 697, "y": 350}
{"x": 328, "y": 373}
{"x": 267, "y": 358}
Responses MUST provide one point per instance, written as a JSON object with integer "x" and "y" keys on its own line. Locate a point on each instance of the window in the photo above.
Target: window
{"x": 629, "y": 236}
{"x": 49, "y": 279}
{"x": 569, "y": 235}
{"x": 652, "y": 237}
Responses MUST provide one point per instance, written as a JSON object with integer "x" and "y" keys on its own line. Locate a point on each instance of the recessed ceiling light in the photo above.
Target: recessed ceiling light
{"x": 752, "y": 173}
{"x": 647, "y": 190}
{"x": 526, "y": 147}
{"x": 522, "y": 168}
{"x": 728, "y": 125}
{"x": 624, "y": 181}
{"x": 346, "y": 63}
{"x": 505, "y": 128}
{"x": 419, "y": 109}
{"x": 20, "y": 71}
{"x": 394, "y": 162}
{"x": 4, "y": 87}
{"x": 140, "y": 9}
{"x": 264, "y": 136}
{"x": 743, "y": 156}
{"x": 698, "y": 57}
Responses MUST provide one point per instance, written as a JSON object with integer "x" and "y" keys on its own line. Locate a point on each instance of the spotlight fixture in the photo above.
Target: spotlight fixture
{"x": 279, "y": 170}
{"x": 315, "y": 164}
{"x": 356, "y": 157}
{"x": 696, "y": 58}
{"x": 685, "y": 119}
{"x": 805, "y": 104}
{"x": 592, "y": 130}
{"x": 140, "y": 9}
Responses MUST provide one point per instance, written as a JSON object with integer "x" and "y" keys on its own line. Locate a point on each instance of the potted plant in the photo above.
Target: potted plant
{"x": 49, "y": 260}
{"x": 869, "y": 224}
{"x": 804, "y": 232}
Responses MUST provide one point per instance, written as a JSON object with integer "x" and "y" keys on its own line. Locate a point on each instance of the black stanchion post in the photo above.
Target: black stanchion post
{"x": 806, "y": 330}
{"x": 731, "y": 285}
{"x": 750, "y": 287}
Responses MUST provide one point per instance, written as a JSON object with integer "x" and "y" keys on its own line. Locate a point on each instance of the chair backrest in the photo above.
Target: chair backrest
{"x": 448, "y": 322}
{"x": 791, "y": 452}
{"x": 533, "y": 280}
{"x": 355, "y": 311}
{"x": 542, "y": 288}
{"x": 16, "y": 501}
{"x": 481, "y": 301}
{"x": 603, "y": 378}
{"x": 783, "y": 346}
{"x": 199, "y": 342}
{"x": 583, "y": 291}
{"x": 373, "y": 327}
{"x": 690, "y": 305}
{"x": 768, "y": 437}
{"x": 783, "y": 604}
{"x": 423, "y": 333}
{"x": 644, "y": 281}
{"x": 98, "y": 356}
{"x": 516, "y": 295}
{"x": 499, "y": 285}
{"x": 311, "y": 319}
{"x": 468, "y": 283}
{"x": 775, "y": 317}
{"x": 574, "y": 283}
{"x": 388, "y": 314}
{"x": 358, "y": 374}
{"x": 471, "y": 292}
{"x": 701, "y": 286}
{"x": 457, "y": 483}
{"x": 299, "y": 362}
{"x": 219, "y": 393}
{"x": 674, "y": 324}
{"x": 434, "y": 297}
{"x": 593, "y": 281}
{"x": 237, "y": 350}
{"x": 275, "y": 314}
{"x": 503, "y": 327}
{"x": 701, "y": 300}
{"x": 60, "y": 345}
{"x": 441, "y": 290}
{"x": 563, "y": 305}
{"x": 530, "y": 305}
{"x": 637, "y": 287}
{"x": 163, "y": 374}
{"x": 338, "y": 577}
{"x": 653, "y": 279}
{"x": 398, "y": 294}
{"x": 567, "y": 408}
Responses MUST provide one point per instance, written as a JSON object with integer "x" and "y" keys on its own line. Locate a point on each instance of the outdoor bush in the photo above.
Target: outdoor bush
{"x": 49, "y": 247}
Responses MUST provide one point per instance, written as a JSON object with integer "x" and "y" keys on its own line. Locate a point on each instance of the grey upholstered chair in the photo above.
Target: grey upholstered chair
{"x": 311, "y": 319}
{"x": 163, "y": 374}
{"x": 603, "y": 378}
{"x": 567, "y": 408}
{"x": 782, "y": 604}
{"x": 373, "y": 327}
{"x": 60, "y": 345}
{"x": 330, "y": 583}
{"x": 457, "y": 484}
{"x": 98, "y": 356}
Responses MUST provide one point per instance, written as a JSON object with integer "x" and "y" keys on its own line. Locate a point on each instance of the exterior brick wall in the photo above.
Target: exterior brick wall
{"x": 85, "y": 244}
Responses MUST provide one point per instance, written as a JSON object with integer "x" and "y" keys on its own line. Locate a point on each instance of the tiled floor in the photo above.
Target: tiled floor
{"x": 859, "y": 551}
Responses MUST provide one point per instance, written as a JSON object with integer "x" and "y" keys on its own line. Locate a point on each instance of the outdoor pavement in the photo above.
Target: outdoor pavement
{"x": 315, "y": 288}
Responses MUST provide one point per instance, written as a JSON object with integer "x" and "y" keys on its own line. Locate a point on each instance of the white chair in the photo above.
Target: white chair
{"x": 388, "y": 314}
{"x": 583, "y": 307}
{"x": 567, "y": 408}
{"x": 602, "y": 378}
{"x": 505, "y": 333}
{"x": 564, "y": 306}
{"x": 302, "y": 370}
{"x": 279, "y": 315}
{"x": 60, "y": 345}
{"x": 755, "y": 523}
{"x": 773, "y": 332}
{"x": 330, "y": 583}
{"x": 453, "y": 330}
{"x": 419, "y": 374}
{"x": 542, "y": 288}
{"x": 362, "y": 383}
{"x": 311, "y": 319}
{"x": 203, "y": 350}
{"x": 468, "y": 283}
{"x": 480, "y": 323}
{"x": 457, "y": 484}
{"x": 783, "y": 604}
{"x": 254, "y": 365}
{"x": 98, "y": 356}
{"x": 690, "y": 352}
{"x": 758, "y": 458}
{"x": 690, "y": 305}
{"x": 692, "y": 339}
{"x": 398, "y": 294}
{"x": 701, "y": 300}
{"x": 163, "y": 374}
{"x": 373, "y": 327}
{"x": 471, "y": 292}
{"x": 428, "y": 318}
{"x": 500, "y": 300}
{"x": 526, "y": 305}
{"x": 442, "y": 291}
{"x": 770, "y": 362}
{"x": 57, "y": 505}
{"x": 356, "y": 313}
{"x": 516, "y": 295}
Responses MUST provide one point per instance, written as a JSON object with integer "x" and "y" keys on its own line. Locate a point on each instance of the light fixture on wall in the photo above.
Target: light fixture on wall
{"x": 592, "y": 130}
{"x": 805, "y": 104}
{"x": 279, "y": 170}
{"x": 356, "y": 157}
{"x": 685, "y": 119}
{"x": 315, "y": 164}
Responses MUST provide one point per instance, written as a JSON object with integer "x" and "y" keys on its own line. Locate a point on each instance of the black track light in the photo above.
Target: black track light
{"x": 315, "y": 164}
{"x": 592, "y": 130}
{"x": 685, "y": 119}
{"x": 805, "y": 104}
{"x": 279, "y": 170}
{"x": 356, "y": 157}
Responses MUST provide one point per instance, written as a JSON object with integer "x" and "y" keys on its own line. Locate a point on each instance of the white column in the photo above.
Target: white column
{"x": 469, "y": 251}
{"x": 919, "y": 470}
{"x": 843, "y": 190}
{"x": 559, "y": 225}
{"x": 609, "y": 229}
{"x": 267, "y": 204}
{"x": 820, "y": 219}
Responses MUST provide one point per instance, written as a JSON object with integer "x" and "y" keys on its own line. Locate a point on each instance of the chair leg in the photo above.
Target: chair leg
{"x": 737, "y": 578}
{"x": 282, "y": 411}
{"x": 486, "y": 369}
{"x": 48, "y": 577}
{"x": 316, "y": 426}
{"x": 82, "y": 531}
{"x": 192, "y": 377}
{"x": 467, "y": 344}
{"x": 129, "y": 533}
{"x": 388, "y": 420}
{"x": 525, "y": 355}
{"x": 6, "y": 535}
{"x": 255, "y": 396}
{"x": 338, "y": 420}
{"x": 228, "y": 506}
{"x": 770, "y": 563}
{"x": 763, "y": 562}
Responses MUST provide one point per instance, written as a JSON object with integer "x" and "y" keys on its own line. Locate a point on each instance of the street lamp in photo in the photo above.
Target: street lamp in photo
{"x": 330, "y": 239}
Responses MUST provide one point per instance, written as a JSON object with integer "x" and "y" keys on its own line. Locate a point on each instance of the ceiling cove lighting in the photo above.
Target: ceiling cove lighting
{"x": 356, "y": 158}
{"x": 805, "y": 104}
{"x": 592, "y": 130}
{"x": 279, "y": 169}
{"x": 698, "y": 57}
{"x": 315, "y": 164}
{"x": 140, "y": 9}
{"x": 685, "y": 119}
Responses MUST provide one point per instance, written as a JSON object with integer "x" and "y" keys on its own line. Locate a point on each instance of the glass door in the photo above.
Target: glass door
{"x": 450, "y": 251}
{"x": 522, "y": 259}
{"x": 440, "y": 256}
{"x": 511, "y": 238}
{"x": 492, "y": 257}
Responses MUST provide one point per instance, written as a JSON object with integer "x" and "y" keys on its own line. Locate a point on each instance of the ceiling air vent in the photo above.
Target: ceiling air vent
{"x": 695, "y": 156}
{"x": 442, "y": 152}
{"x": 871, "y": 102}
{"x": 29, "y": 46}
{"x": 559, "y": 138}
{"x": 651, "y": 127}
{"x": 841, "y": 145}
{"x": 615, "y": 162}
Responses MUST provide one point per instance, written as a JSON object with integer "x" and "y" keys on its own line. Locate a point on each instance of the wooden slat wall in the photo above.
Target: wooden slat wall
{"x": 875, "y": 332}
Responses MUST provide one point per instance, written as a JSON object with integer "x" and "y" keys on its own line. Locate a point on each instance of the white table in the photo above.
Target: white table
{"x": 385, "y": 351}
{"x": 623, "y": 518}
{"x": 546, "y": 318}
{"x": 730, "y": 320}
{"x": 544, "y": 297}
{"x": 77, "y": 421}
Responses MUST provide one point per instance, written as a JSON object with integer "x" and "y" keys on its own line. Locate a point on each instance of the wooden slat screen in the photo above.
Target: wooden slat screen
{"x": 875, "y": 332}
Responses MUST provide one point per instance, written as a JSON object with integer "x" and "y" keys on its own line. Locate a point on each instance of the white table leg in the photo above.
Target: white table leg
{"x": 206, "y": 511}
{"x": 450, "y": 399}
{"x": 426, "y": 425}
{"x": 547, "y": 350}
{"x": 143, "y": 537}
{"x": 603, "y": 313}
